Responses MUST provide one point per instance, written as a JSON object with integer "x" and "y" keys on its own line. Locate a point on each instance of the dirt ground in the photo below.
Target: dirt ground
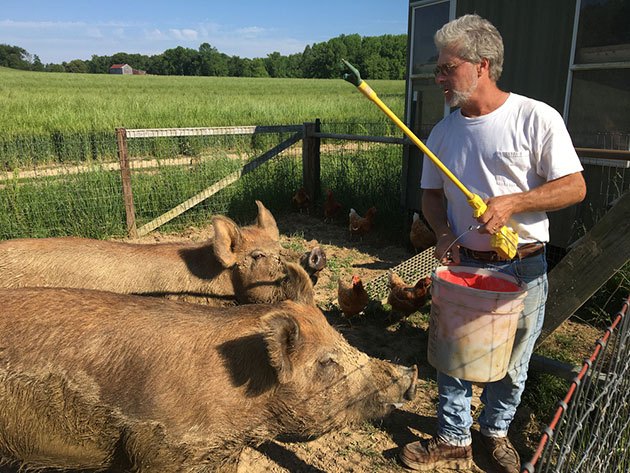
{"x": 374, "y": 446}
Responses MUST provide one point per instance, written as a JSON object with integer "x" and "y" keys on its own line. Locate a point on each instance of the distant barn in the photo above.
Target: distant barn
{"x": 121, "y": 69}
{"x": 125, "y": 69}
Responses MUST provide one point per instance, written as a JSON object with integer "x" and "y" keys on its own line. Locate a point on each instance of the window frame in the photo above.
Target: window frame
{"x": 413, "y": 6}
{"x": 578, "y": 67}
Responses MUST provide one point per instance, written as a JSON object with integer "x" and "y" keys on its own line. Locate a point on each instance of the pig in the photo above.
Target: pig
{"x": 98, "y": 380}
{"x": 237, "y": 265}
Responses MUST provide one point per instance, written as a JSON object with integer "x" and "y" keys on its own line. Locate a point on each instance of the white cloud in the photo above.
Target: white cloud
{"x": 154, "y": 35}
{"x": 251, "y": 31}
{"x": 185, "y": 34}
{"x": 93, "y": 32}
{"x": 36, "y": 25}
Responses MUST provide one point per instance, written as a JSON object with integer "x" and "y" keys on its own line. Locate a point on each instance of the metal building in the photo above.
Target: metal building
{"x": 121, "y": 69}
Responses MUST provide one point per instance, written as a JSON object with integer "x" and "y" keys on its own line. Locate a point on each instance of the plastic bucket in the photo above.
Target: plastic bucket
{"x": 474, "y": 314}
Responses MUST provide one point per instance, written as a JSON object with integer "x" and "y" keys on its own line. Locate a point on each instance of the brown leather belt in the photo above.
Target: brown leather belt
{"x": 524, "y": 251}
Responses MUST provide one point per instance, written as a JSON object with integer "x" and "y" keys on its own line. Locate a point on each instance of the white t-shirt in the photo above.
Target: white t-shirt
{"x": 517, "y": 147}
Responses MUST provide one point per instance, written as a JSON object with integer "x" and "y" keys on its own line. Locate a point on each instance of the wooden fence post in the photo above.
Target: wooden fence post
{"x": 311, "y": 165}
{"x": 125, "y": 173}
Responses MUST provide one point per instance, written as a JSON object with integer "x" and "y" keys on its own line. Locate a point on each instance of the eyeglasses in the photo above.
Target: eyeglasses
{"x": 446, "y": 69}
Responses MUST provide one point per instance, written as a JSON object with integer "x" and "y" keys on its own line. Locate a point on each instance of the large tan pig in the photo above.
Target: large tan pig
{"x": 92, "y": 379}
{"x": 243, "y": 264}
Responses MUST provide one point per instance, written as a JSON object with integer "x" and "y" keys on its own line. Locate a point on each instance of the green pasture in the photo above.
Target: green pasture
{"x": 38, "y": 103}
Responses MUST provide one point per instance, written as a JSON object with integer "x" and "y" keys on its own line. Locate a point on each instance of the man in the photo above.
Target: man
{"x": 517, "y": 155}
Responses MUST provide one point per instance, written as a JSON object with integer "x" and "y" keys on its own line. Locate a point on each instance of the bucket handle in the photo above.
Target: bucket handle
{"x": 448, "y": 252}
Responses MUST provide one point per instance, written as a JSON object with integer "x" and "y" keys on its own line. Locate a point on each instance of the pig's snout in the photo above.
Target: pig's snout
{"x": 406, "y": 387}
{"x": 313, "y": 262}
{"x": 315, "y": 259}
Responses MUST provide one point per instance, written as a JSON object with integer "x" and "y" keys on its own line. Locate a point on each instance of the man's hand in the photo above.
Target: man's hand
{"x": 498, "y": 212}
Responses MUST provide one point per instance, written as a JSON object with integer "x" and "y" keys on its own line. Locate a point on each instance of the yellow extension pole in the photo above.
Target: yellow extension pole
{"x": 505, "y": 241}
{"x": 474, "y": 200}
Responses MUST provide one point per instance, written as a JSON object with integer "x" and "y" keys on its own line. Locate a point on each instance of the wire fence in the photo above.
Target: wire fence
{"x": 72, "y": 185}
{"x": 82, "y": 194}
{"x": 590, "y": 431}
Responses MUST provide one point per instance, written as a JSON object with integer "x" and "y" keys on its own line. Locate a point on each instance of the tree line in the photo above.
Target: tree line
{"x": 377, "y": 57}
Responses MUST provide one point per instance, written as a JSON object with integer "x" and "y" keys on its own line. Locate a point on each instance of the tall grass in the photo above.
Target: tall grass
{"x": 38, "y": 103}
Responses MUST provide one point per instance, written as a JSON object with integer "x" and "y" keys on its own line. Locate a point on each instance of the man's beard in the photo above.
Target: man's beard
{"x": 461, "y": 97}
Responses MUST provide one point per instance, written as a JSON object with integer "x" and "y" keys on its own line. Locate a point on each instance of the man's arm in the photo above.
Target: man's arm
{"x": 553, "y": 195}
{"x": 434, "y": 210}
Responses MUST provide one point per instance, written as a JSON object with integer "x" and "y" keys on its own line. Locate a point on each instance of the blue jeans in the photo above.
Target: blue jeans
{"x": 500, "y": 398}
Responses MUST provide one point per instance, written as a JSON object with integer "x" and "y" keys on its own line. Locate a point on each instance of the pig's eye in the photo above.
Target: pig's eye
{"x": 328, "y": 369}
{"x": 327, "y": 362}
{"x": 258, "y": 254}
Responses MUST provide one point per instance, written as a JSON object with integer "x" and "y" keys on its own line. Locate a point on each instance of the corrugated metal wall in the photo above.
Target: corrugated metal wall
{"x": 537, "y": 39}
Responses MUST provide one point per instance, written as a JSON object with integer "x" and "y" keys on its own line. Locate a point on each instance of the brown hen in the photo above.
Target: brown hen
{"x": 360, "y": 226}
{"x": 301, "y": 200}
{"x": 352, "y": 297}
{"x": 331, "y": 207}
{"x": 404, "y": 298}
{"x": 420, "y": 235}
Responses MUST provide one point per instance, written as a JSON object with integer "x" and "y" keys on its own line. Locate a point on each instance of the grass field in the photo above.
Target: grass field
{"x": 38, "y": 103}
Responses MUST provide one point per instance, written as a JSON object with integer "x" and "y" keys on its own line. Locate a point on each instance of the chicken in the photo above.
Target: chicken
{"x": 421, "y": 236}
{"x": 301, "y": 200}
{"x": 404, "y": 298}
{"x": 352, "y": 297}
{"x": 360, "y": 226}
{"x": 331, "y": 207}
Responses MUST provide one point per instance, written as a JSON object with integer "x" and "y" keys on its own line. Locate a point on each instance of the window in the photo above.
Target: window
{"x": 425, "y": 102}
{"x": 597, "y": 109}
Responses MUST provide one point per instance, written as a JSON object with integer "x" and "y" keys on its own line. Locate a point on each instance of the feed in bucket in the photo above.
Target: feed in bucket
{"x": 474, "y": 315}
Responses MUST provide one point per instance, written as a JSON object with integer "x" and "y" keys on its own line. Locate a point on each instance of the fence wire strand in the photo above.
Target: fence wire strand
{"x": 590, "y": 431}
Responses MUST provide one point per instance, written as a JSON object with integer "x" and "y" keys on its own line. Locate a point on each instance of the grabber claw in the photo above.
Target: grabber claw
{"x": 353, "y": 76}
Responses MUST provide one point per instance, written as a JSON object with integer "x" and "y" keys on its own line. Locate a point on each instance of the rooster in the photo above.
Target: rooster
{"x": 404, "y": 298}
{"x": 301, "y": 200}
{"x": 352, "y": 297}
{"x": 331, "y": 207}
{"x": 420, "y": 235}
{"x": 360, "y": 226}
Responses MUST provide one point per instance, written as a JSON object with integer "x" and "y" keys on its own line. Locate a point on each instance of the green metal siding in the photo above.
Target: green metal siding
{"x": 537, "y": 38}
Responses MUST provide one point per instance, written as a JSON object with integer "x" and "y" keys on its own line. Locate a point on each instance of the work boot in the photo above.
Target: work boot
{"x": 503, "y": 455}
{"x": 428, "y": 455}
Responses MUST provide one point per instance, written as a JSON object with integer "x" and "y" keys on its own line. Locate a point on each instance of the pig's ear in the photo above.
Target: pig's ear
{"x": 227, "y": 240}
{"x": 267, "y": 222}
{"x": 282, "y": 335}
{"x": 298, "y": 286}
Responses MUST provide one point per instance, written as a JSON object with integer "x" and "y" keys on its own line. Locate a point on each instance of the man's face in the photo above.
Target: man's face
{"x": 458, "y": 78}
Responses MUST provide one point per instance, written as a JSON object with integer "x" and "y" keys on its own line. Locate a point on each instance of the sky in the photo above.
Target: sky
{"x": 63, "y": 30}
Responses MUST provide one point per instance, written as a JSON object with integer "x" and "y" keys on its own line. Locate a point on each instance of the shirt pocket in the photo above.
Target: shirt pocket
{"x": 510, "y": 169}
